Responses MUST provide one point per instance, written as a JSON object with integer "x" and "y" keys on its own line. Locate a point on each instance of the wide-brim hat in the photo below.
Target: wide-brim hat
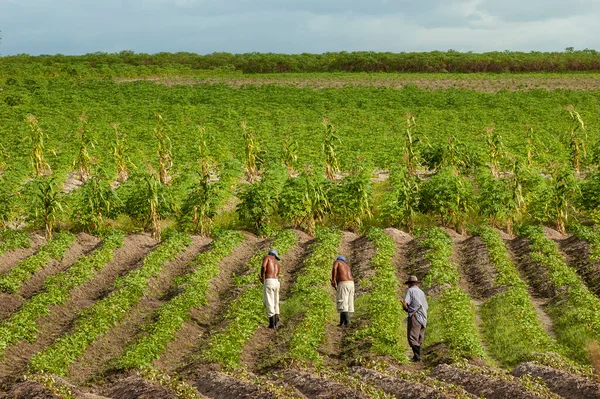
{"x": 274, "y": 253}
{"x": 412, "y": 279}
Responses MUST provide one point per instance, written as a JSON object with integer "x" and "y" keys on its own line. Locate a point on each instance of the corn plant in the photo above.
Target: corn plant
{"x": 290, "y": 154}
{"x": 96, "y": 200}
{"x": 402, "y": 201}
{"x": 121, "y": 154}
{"x": 164, "y": 150}
{"x": 451, "y": 156}
{"x": 328, "y": 148}
{"x": 577, "y": 140}
{"x": 253, "y": 154}
{"x": 564, "y": 187}
{"x": 49, "y": 203}
{"x": 351, "y": 199}
{"x": 37, "y": 137}
{"x": 258, "y": 201}
{"x": 154, "y": 198}
{"x": 530, "y": 146}
{"x": 494, "y": 142}
{"x": 410, "y": 155}
{"x": 83, "y": 161}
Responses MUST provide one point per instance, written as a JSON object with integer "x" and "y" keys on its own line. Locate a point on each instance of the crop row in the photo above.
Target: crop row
{"x": 381, "y": 304}
{"x": 54, "y": 249}
{"x": 575, "y": 310}
{"x": 451, "y": 312}
{"x": 311, "y": 299}
{"x": 170, "y": 317}
{"x": 512, "y": 327}
{"x": 13, "y": 239}
{"x": 57, "y": 288}
{"x": 246, "y": 312}
{"x": 108, "y": 312}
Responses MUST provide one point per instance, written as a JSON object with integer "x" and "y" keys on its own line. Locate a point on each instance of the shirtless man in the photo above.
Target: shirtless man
{"x": 341, "y": 280}
{"x": 269, "y": 277}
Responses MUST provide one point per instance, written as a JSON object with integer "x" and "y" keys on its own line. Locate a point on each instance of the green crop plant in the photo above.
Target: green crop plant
{"x": 4, "y": 156}
{"x": 290, "y": 154}
{"x": 170, "y": 317}
{"x": 495, "y": 199}
{"x": 98, "y": 319}
{"x": 48, "y": 202}
{"x": 530, "y": 146}
{"x": 95, "y": 201}
{"x": 451, "y": 312}
{"x": 351, "y": 199}
{"x": 402, "y": 201}
{"x": 495, "y": 149}
{"x": 329, "y": 150}
{"x": 511, "y": 325}
{"x": 576, "y": 139}
{"x": 37, "y": 137}
{"x": 410, "y": 156}
{"x": 154, "y": 198}
{"x": 13, "y": 239}
{"x": 564, "y": 189}
{"x": 253, "y": 155}
{"x": 245, "y": 313}
{"x": 121, "y": 153}
{"x": 310, "y": 298}
{"x": 55, "y": 249}
{"x": 575, "y": 311}
{"x": 164, "y": 150}
{"x": 382, "y": 309}
{"x": 23, "y": 325}
{"x": 304, "y": 200}
{"x": 83, "y": 161}
{"x": 448, "y": 196}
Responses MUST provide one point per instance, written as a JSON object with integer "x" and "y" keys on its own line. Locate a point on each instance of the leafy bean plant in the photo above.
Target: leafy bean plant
{"x": 311, "y": 299}
{"x": 511, "y": 324}
{"x": 246, "y": 312}
{"x": 576, "y": 310}
{"x": 13, "y": 239}
{"x": 23, "y": 324}
{"x": 170, "y": 317}
{"x": 55, "y": 249}
{"x": 382, "y": 309}
{"x": 451, "y": 312}
{"x": 103, "y": 315}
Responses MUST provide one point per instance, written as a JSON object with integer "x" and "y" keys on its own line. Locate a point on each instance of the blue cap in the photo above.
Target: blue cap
{"x": 274, "y": 253}
{"x": 341, "y": 258}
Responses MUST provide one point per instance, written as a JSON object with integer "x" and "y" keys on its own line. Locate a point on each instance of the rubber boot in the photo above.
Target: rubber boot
{"x": 417, "y": 353}
{"x": 341, "y": 319}
{"x": 347, "y": 318}
{"x": 277, "y": 322}
{"x": 272, "y": 322}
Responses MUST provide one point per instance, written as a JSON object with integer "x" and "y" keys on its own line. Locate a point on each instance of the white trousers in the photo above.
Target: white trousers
{"x": 345, "y": 296}
{"x": 271, "y": 296}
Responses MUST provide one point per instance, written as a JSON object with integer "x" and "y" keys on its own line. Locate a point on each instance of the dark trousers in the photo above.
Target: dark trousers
{"x": 415, "y": 332}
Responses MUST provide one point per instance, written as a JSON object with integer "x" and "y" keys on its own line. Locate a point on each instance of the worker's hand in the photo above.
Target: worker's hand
{"x": 260, "y": 278}
{"x": 334, "y": 284}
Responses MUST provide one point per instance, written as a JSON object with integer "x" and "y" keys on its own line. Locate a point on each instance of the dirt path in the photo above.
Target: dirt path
{"x": 10, "y": 258}
{"x": 518, "y": 251}
{"x": 577, "y": 254}
{"x": 256, "y": 347}
{"x": 97, "y": 356}
{"x": 183, "y": 353}
{"x": 60, "y": 318}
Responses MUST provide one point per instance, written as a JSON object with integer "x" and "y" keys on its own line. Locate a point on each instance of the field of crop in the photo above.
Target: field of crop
{"x": 135, "y": 210}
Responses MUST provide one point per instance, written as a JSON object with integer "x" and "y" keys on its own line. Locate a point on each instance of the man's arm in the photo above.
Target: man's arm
{"x": 263, "y": 269}
{"x": 406, "y": 301}
{"x": 334, "y": 275}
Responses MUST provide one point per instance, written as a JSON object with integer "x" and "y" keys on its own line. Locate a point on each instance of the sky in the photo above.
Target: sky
{"x": 74, "y": 27}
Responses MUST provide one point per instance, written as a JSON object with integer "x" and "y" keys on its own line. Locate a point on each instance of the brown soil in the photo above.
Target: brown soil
{"x": 222, "y": 386}
{"x": 314, "y": 386}
{"x": 10, "y": 258}
{"x": 97, "y": 356}
{"x": 399, "y": 388}
{"x": 481, "y": 385}
{"x": 82, "y": 246}
{"x": 291, "y": 264}
{"x": 417, "y": 264}
{"x": 35, "y": 390}
{"x": 135, "y": 387}
{"x": 478, "y": 83}
{"x": 552, "y": 234}
{"x": 535, "y": 274}
{"x": 473, "y": 260}
{"x": 184, "y": 351}
{"x": 60, "y": 318}
{"x": 362, "y": 250}
{"x": 578, "y": 256}
{"x": 560, "y": 382}
{"x": 73, "y": 182}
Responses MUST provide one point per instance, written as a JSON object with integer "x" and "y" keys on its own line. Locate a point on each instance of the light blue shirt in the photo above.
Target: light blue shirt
{"x": 417, "y": 303}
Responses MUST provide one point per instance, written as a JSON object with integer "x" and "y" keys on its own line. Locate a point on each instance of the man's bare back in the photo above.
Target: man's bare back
{"x": 270, "y": 268}
{"x": 340, "y": 272}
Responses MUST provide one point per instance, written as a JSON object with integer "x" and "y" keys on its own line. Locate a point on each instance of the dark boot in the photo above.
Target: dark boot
{"x": 277, "y": 322}
{"x": 417, "y": 353}
{"x": 347, "y": 320}
{"x": 342, "y": 318}
{"x": 272, "y": 322}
